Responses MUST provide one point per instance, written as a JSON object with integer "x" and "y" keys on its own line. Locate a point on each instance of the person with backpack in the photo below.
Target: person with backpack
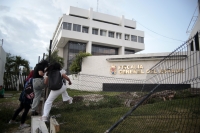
{"x": 25, "y": 104}
{"x": 38, "y": 84}
{"x": 56, "y": 79}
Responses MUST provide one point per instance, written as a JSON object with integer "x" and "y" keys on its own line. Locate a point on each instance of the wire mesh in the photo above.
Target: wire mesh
{"x": 168, "y": 101}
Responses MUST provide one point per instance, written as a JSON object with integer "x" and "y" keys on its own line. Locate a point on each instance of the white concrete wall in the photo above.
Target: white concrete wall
{"x": 96, "y": 70}
{"x": 2, "y": 64}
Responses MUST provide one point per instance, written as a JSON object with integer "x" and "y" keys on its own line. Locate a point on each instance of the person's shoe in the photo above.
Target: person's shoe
{"x": 70, "y": 100}
{"x": 12, "y": 122}
{"x": 24, "y": 126}
{"x": 34, "y": 113}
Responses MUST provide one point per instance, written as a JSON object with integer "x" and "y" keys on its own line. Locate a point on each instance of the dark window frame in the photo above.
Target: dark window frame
{"x": 67, "y": 26}
{"x": 111, "y": 34}
{"x": 140, "y": 39}
{"x": 77, "y": 27}
{"x": 103, "y": 50}
{"x": 85, "y": 28}
{"x": 101, "y": 31}
{"x": 134, "y": 38}
{"x": 127, "y": 51}
{"x": 95, "y": 31}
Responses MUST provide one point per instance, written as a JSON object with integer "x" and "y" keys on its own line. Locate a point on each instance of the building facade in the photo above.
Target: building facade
{"x": 2, "y": 64}
{"x": 113, "y": 42}
{"x": 95, "y": 33}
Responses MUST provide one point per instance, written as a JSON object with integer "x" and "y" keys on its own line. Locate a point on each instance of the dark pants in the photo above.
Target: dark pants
{"x": 26, "y": 108}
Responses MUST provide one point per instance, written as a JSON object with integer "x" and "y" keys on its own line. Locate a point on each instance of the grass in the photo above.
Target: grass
{"x": 7, "y": 108}
{"x": 178, "y": 115}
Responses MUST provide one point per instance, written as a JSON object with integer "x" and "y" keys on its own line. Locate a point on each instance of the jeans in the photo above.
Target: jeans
{"x": 38, "y": 86}
{"x": 52, "y": 96}
{"x": 22, "y": 106}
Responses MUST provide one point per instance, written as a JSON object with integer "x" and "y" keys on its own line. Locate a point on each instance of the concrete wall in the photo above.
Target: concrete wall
{"x": 2, "y": 64}
{"x": 96, "y": 70}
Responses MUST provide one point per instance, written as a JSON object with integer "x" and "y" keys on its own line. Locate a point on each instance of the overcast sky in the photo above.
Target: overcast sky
{"x": 27, "y": 26}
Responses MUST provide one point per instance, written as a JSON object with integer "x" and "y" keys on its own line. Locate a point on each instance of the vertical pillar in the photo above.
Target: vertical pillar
{"x": 89, "y": 47}
{"x": 90, "y": 18}
{"x": 121, "y": 50}
{"x": 122, "y": 25}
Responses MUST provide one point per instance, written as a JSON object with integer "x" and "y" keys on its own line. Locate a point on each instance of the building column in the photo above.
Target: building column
{"x": 122, "y": 25}
{"x": 89, "y": 47}
{"x": 60, "y": 51}
{"x": 90, "y": 18}
{"x": 121, "y": 50}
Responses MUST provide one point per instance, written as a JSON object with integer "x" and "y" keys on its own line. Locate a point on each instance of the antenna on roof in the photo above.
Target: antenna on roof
{"x": 97, "y": 4}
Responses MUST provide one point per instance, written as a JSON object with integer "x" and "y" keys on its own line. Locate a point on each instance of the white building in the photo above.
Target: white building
{"x": 95, "y": 33}
{"x": 118, "y": 40}
{"x": 2, "y": 64}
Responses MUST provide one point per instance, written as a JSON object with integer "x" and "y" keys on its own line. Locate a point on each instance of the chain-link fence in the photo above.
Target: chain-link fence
{"x": 168, "y": 101}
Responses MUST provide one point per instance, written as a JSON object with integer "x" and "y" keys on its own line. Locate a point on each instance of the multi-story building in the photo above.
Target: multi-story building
{"x": 2, "y": 64}
{"x": 95, "y": 33}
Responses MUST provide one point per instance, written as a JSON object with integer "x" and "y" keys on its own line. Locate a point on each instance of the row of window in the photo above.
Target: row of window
{"x": 95, "y": 31}
{"x": 75, "y": 47}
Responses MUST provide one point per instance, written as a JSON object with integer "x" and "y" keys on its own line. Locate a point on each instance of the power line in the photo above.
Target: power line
{"x": 160, "y": 34}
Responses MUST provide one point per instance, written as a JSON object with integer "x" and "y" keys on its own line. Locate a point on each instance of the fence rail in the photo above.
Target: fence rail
{"x": 13, "y": 82}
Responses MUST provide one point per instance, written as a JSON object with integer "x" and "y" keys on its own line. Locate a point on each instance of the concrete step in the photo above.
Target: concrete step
{"x": 38, "y": 126}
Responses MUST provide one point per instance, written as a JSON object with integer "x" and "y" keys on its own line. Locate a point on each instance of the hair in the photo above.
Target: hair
{"x": 30, "y": 75}
{"x": 43, "y": 63}
{"x": 54, "y": 66}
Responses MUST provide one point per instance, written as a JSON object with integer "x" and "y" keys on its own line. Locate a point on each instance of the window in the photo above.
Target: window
{"x": 76, "y": 27}
{"x": 103, "y": 50}
{"x": 129, "y": 51}
{"x": 67, "y": 26}
{"x": 73, "y": 49}
{"x": 95, "y": 31}
{"x": 126, "y": 37}
{"x": 102, "y": 32}
{"x": 111, "y": 34}
{"x": 140, "y": 39}
{"x": 118, "y": 35}
{"x": 85, "y": 29}
{"x": 133, "y": 38}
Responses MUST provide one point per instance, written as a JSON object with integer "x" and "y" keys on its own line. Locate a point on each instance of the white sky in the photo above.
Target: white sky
{"x": 27, "y": 26}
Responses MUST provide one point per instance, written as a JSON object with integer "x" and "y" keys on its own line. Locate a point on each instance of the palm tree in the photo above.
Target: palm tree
{"x": 12, "y": 67}
{"x": 16, "y": 62}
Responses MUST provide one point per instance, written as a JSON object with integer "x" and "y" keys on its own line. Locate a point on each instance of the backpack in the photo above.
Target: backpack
{"x": 28, "y": 89}
{"x": 55, "y": 81}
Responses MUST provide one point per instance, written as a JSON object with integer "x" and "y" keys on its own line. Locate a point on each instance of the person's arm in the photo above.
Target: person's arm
{"x": 67, "y": 78}
{"x": 41, "y": 73}
{"x": 46, "y": 80}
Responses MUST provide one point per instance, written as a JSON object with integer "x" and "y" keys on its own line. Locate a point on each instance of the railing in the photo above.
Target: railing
{"x": 13, "y": 82}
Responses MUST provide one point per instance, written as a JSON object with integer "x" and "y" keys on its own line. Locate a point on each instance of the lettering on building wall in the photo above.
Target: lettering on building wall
{"x": 139, "y": 69}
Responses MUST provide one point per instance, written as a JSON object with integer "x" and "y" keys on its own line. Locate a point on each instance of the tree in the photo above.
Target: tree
{"x": 55, "y": 57}
{"x": 75, "y": 67}
{"x": 12, "y": 68}
{"x": 13, "y": 64}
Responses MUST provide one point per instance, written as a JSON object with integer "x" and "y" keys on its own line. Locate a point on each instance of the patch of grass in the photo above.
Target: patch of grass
{"x": 177, "y": 115}
{"x": 166, "y": 116}
{"x": 7, "y": 108}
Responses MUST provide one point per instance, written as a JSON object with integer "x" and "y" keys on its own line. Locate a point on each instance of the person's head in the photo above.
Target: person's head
{"x": 54, "y": 66}
{"x": 1, "y": 86}
{"x": 43, "y": 63}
